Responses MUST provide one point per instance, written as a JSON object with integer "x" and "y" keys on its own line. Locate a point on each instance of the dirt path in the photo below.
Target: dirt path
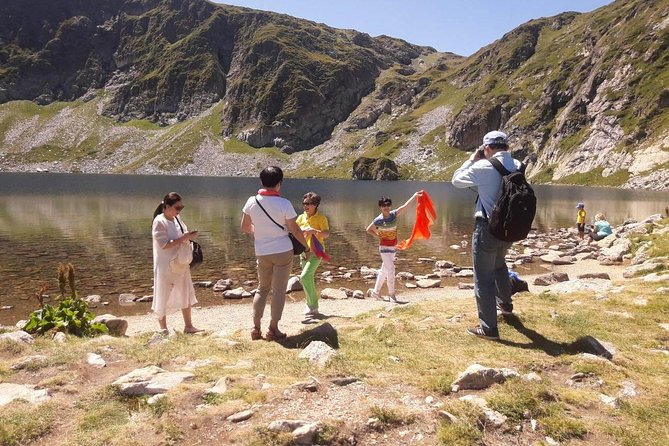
{"x": 231, "y": 318}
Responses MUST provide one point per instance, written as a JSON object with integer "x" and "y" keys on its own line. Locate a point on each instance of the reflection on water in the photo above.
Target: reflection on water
{"x": 102, "y": 224}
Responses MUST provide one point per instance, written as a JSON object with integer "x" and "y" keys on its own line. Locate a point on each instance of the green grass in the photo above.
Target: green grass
{"x": 595, "y": 177}
{"x": 21, "y": 423}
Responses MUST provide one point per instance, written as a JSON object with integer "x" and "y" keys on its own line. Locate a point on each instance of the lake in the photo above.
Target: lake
{"x": 102, "y": 225}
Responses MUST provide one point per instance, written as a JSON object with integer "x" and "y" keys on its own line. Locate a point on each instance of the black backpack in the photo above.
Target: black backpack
{"x": 513, "y": 213}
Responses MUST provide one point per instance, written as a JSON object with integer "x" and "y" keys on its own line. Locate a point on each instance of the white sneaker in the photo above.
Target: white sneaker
{"x": 375, "y": 295}
{"x": 393, "y": 299}
{"x": 310, "y": 312}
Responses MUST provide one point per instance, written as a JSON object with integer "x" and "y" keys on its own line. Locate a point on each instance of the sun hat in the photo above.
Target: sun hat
{"x": 495, "y": 137}
{"x": 580, "y": 206}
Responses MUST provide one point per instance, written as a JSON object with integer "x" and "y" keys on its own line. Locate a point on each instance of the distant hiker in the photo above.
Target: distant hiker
{"x": 385, "y": 228}
{"x": 261, "y": 216}
{"x": 580, "y": 220}
{"x": 601, "y": 228}
{"x": 172, "y": 253}
{"x": 491, "y": 275}
{"x": 316, "y": 229}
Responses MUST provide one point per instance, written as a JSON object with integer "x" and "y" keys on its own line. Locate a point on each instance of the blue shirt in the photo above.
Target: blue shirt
{"x": 484, "y": 178}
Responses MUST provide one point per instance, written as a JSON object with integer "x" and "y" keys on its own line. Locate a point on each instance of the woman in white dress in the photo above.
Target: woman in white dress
{"x": 172, "y": 252}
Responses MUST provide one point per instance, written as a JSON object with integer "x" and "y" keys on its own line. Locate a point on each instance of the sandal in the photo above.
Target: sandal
{"x": 275, "y": 335}
{"x": 256, "y": 334}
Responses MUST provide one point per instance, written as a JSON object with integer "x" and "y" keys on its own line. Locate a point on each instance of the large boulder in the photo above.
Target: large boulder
{"x": 375, "y": 169}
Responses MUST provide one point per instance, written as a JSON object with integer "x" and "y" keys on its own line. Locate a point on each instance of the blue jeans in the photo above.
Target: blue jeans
{"x": 491, "y": 276}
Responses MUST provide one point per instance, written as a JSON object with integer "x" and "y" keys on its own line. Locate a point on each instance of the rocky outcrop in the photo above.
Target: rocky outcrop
{"x": 375, "y": 169}
{"x": 281, "y": 78}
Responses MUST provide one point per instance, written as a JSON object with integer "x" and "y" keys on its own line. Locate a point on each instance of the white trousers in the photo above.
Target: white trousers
{"x": 386, "y": 273}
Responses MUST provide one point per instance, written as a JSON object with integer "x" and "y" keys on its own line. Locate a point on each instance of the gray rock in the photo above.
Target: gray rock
{"x": 93, "y": 299}
{"x": 10, "y": 392}
{"x": 312, "y": 385}
{"x": 59, "y": 337}
{"x": 344, "y": 381}
{"x": 220, "y": 387}
{"x": 237, "y": 293}
{"x": 95, "y": 360}
{"x": 619, "y": 248}
{"x": 155, "y": 399}
{"x": 428, "y": 283}
{"x": 610, "y": 401}
{"x": 305, "y": 435}
{"x": 204, "y": 284}
{"x": 597, "y": 347}
{"x": 286, "y": 425}
{"x": 223, "y": 285}
{"x": 331, "y": 293}
{"x": 656, "y": 277}
{"x": 549, "y": 279}
{"x": 366, "y": 271}
{"x": 317, "y": 352}
{"x": 571, "y": 286}
{"x": 478, "y": 377}
{"x": 30, "y": 362}
{"x": 115, "y": 325}
{"x": 358, "y": 294}
{"x": 627, "y": 390}
{"x": 444, "y": 264}
{"x": 150, "y": 380}
{"x": 604, "y": 276}
{"x": 240, "y": 416}
{"x": 19, "y": 336}
{"x": 294, "y": 284}
{"x": 127, "y": 299}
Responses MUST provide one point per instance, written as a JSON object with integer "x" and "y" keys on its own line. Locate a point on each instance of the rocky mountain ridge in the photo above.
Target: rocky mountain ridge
{"x": 282, "y": 78}
{"x": 585, "y": 97}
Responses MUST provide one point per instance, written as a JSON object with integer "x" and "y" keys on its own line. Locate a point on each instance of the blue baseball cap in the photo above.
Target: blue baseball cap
{"x": 580, "y": 206}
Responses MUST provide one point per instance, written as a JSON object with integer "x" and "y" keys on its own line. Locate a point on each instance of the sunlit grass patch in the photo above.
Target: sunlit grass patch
{"x": 466, "y": 431}
{"x": 264, "y": 437}
{"x": 389, "y": 417}
{"x": 21, "y": 423}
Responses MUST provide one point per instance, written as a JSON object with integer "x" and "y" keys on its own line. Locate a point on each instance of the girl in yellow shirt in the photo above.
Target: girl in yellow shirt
{"x": 313, "y": 224}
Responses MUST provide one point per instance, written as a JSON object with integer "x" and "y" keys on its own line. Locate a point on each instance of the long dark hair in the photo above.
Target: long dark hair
{"x": 168, "y": 200}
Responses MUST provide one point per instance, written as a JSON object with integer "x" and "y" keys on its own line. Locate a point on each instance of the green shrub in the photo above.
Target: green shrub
{"x": 70, "y": 316}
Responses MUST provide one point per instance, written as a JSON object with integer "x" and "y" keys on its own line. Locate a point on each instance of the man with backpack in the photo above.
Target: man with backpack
{"x": 504, "y": 211}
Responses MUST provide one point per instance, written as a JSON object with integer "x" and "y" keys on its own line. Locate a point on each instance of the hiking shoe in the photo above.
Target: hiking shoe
{"x": 374, "y": 294}
{"x": 393, "y": 299}
{"x": 478, "y": 331}
{"x": 504, "y": 309}
{"x": 310, "y": 311}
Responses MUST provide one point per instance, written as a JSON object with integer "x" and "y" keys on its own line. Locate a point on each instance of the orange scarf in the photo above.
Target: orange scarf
{"x": 425, "y": 216}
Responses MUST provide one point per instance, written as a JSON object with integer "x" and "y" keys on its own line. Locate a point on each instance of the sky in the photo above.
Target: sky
{"x": 459, "y": 26}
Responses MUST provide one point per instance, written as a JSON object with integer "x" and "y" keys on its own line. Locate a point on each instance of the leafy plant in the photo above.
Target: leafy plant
{"x": 70, "y": 316}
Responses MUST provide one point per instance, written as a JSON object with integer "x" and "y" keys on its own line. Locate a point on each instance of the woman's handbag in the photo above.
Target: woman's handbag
{"x": 198, "y": 257}
{"x": 298, "y": 248}
{"x": 197, "y": 254}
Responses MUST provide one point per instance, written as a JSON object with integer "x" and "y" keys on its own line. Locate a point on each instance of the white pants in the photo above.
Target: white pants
{"x": 386, "y": 273}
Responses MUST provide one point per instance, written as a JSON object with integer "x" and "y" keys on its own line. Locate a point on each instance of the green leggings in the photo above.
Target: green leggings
{"x": 309, "y": 267}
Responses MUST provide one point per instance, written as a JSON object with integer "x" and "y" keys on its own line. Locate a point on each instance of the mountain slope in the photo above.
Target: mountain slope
{"x": 585, "y": 97}
{"x": 282, "y": 78}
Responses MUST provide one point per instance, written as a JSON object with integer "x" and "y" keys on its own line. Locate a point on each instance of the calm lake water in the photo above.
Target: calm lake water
{"x": 102, "y": 225}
